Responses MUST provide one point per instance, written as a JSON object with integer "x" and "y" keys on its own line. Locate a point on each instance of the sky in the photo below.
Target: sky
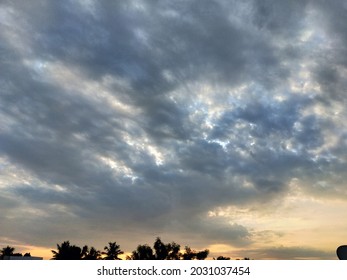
{"x": 214, "y": 124}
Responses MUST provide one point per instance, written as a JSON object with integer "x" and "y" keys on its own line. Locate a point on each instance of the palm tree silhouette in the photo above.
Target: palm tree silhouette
{"x": 90, "y": 254}
{"x": 67, "y": 252}
{"x": 112, "y": 251}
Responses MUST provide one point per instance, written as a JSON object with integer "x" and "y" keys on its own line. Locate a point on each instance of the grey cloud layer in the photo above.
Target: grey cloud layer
{"x": 181, "y": 149}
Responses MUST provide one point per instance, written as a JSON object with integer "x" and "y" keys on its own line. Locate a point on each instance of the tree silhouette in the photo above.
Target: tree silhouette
{"x": 201, "y": 255}
{"x": 161, "y": 250}
{"x": 90, "y": 254}
{"x": 190, "y": 254}
{"x": 174, "y": 251}
{"x": 67, "y": 252}
{"x": 222, "y": 258}
{"x": 142, "y": 252}
{"x": 112, "y": 251}
{"x": 170, "y": 251}
{"x": 7, "y": 251}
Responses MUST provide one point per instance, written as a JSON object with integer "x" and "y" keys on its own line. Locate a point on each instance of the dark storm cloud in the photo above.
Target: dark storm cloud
{"x": 161, "y": 157}
{"x": 263, "y": 118}
{"x": 331, "y": 16}
{"x": 330, "y": 52}
{"x": 284, "y": 18}
{"x": 268, "y": 160}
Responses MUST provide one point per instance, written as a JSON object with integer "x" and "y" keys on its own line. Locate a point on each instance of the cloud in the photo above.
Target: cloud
{"x": 144, "y": 116}
{"x": 287, "y": 253}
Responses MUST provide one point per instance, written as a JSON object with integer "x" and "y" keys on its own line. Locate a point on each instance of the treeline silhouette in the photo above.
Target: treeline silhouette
{"x": 9, "y": 251}
{"x": 160, "y": 251}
